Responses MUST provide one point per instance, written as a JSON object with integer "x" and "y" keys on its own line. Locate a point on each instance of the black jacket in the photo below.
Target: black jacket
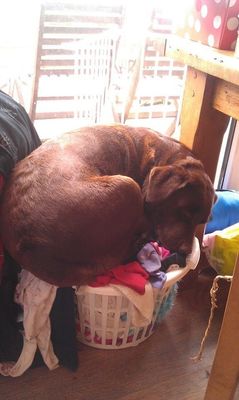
{"x": 18, "y": 136}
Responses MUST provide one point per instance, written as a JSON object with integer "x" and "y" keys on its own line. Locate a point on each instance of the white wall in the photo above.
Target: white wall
{"x": 19, "y": 24}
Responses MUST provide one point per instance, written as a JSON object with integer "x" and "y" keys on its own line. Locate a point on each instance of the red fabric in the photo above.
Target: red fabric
{"x": 131, "y": 275}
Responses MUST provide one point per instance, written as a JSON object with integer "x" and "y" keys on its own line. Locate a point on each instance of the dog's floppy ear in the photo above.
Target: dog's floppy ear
{"x": 163, "y": 181}
{"x": 190, "y": 164}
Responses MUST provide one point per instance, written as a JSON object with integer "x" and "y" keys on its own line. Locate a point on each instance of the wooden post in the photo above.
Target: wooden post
{"x": 225, "y": 370}
{"x": 202, "y": 127}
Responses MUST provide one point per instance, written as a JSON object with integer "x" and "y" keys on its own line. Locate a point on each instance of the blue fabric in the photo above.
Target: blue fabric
{"x": 150, "y": 260}
{"x": 167, "y": 303}
{"x": 225, "y": 211}
{"x": 158, "y": 279}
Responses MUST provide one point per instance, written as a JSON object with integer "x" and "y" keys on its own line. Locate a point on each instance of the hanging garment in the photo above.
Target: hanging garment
{"x": 63, "y": 328}
{"x": 36, "y": 297}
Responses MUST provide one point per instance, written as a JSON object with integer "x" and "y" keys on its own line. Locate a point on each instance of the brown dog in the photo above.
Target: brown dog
{"x": 81, "y": 204}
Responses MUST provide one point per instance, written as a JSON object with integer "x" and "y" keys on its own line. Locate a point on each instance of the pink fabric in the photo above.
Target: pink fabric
{"x": 131, "y": 275}
{"x": 161, "y": 250}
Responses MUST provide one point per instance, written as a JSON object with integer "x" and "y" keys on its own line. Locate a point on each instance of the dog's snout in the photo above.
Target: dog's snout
{"x": 174, "y": 244}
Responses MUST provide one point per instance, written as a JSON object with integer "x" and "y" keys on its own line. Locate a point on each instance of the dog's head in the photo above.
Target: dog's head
{"x": 178, "y": 198}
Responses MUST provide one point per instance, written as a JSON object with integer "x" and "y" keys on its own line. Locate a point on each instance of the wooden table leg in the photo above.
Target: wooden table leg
{"x": 225, "y": 370}
{"x": 202, "y": 126}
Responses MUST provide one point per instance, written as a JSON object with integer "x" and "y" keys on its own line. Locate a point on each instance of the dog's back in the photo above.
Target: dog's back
{"x": 71, "y": 208}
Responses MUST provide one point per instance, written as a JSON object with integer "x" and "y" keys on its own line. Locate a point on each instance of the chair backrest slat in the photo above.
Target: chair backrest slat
{"x": 66, "y": 48}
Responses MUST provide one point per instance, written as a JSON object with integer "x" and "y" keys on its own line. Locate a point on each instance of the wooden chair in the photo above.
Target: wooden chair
{"x": 159, "y": 86}
{"x": 154, "y": 82}
{"x": 76, "y": 48}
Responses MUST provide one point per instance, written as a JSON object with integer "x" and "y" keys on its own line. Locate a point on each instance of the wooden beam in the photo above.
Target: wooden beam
{"x": 219, "y": 63}
{"x": 226, "y": 98}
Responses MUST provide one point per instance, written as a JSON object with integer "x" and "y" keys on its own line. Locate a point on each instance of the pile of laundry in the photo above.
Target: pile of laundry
{"x": 153, "y": 261}
{"x": 48, "y": 331}
{"x": 134, "y": 309}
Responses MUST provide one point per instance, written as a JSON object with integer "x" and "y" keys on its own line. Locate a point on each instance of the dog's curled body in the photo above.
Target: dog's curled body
{"x": 78, "y": 205}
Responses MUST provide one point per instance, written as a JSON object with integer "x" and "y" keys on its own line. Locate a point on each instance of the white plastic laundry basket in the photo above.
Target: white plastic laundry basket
{"x": 105, "y": 316}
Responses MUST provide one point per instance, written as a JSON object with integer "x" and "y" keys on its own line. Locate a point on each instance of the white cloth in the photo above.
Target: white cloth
{"x": 36, "y": 298}
{"x": 143, "y": 305}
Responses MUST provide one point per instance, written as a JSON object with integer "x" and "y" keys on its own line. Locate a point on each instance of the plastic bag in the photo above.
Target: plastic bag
{"x": 222, "y": 248}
